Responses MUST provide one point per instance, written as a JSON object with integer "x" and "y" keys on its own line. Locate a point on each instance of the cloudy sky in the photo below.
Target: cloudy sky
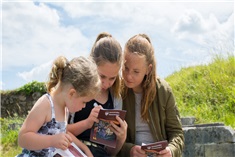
{"x": 184, "y": 33}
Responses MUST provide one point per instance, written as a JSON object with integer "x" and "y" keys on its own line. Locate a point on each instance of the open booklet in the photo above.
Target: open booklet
{"x": 72, "y": 151}
{"x": 154, "y": 148}
{"x": 100, "y": 132}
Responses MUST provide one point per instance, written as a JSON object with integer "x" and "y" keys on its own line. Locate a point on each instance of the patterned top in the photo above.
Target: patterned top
{"x": 50, "y": 128}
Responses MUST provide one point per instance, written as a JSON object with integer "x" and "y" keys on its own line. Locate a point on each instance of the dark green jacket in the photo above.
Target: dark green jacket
{"x": 164, "y": 120}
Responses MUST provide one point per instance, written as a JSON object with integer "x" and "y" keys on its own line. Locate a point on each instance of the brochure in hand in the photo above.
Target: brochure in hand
{"x": 72, "y": 151}
{"x": 100, "y": 132}
{"x": 154, "y": 148}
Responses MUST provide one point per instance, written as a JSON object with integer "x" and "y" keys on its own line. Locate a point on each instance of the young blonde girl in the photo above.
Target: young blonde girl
{"x": 71, "y": 84}
{"x": 152, "y": 114}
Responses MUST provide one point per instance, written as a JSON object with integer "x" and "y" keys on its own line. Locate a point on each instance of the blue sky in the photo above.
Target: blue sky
{"x": 184, "y": 33}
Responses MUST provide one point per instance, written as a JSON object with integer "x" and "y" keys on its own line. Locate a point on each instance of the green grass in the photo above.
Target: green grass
{"x": 206, "y": 92}
{"x": 9, "y": 133}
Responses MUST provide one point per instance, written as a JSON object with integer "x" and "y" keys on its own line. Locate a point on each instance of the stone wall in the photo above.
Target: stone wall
{"x": 202, "y": 140}
{"x": 208, "y": 140}
{"x": 17, "y": 104}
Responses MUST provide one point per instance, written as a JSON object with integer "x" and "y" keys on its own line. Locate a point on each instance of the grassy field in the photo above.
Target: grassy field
{"x": 9, "y": 134}
{"x": 205, "y": 91}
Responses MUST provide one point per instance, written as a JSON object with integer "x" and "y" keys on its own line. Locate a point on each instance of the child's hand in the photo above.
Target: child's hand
{"x": 61, "y": 141}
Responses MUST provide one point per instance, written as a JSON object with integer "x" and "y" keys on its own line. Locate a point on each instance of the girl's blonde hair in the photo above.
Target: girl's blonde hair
{"x": 81, "y": 72}
{"x": 142, "y": 45}
{"x": 107, "y": 49}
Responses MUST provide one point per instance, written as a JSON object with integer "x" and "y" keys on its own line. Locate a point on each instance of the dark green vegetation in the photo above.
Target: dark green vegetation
{"x": 29, "y": 88}
{"x": 206, "y": 92}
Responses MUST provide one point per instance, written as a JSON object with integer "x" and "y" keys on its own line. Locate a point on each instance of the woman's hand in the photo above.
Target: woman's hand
{"x": 93, "y": 116}
{"x": 119, "y": 130}
{"x": 165, "y": 153}
{"x": 136, "y": 151}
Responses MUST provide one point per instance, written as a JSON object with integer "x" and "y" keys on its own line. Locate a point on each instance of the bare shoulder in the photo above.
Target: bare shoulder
{"x": 39, "y": 114}
{"x": 42, "y": 103}
{"x": 41, "y": 109}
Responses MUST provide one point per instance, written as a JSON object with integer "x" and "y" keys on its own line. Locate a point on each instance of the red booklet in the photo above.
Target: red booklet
{"x": 100, "y": 132}
{"x": 72, "y": 151}
{"x": 154, "y": 148}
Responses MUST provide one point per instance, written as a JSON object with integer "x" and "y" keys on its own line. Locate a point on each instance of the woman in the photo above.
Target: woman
{"x": 152, "y": 114}
{"x": 107, "y": 54}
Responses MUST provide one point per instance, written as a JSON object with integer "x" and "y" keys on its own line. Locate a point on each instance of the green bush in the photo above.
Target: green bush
{"x": 28, "y": 89}
{"x": 32, "y": 87}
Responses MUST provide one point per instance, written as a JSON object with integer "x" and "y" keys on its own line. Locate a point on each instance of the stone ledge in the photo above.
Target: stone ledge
{"x": 209, "y": 140}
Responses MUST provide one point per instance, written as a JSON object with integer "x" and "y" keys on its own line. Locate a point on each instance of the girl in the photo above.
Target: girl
{"x": 152, "y": 113}
{"x": 107, "y": 54}
{"x": 70, "y": 86}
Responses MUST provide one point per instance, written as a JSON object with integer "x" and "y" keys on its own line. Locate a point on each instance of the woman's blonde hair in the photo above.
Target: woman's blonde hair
{"x": 142, "y": 45}
{"x": 107, "y": 49}
{"x": 81, "y": 72}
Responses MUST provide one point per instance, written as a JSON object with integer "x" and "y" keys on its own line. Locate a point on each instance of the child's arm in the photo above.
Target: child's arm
{"x": 29, "y": 138}
{"x": 79, "y": 127}
{"x": 81, "y": 145}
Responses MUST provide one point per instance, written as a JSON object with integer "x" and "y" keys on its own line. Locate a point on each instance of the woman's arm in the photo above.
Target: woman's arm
{"x": 173, "y": 126}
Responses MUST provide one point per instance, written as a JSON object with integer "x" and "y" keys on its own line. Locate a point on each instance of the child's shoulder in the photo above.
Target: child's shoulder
{"x": 41, "y": 110}
{"x": 42, "y": 102}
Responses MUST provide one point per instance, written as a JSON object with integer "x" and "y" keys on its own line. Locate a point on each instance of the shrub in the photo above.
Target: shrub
{"x": 32, "y": 87}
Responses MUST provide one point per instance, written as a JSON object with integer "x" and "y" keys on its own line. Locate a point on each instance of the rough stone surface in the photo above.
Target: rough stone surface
{"x": 209, "y": 140}
{"x": 17, "y": 104}
{"x": 220, "y": 150}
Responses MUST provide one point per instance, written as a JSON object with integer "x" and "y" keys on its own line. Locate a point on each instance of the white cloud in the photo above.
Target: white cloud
{"x": 191, "y": 22}
{"x": 39, "y": 73}
{"x": 32, "y": 35}
{"x": 206, "y": 33}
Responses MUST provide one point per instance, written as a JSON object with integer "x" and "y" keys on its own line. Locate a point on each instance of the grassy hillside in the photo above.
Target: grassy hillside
{"x": 207, "y": 91}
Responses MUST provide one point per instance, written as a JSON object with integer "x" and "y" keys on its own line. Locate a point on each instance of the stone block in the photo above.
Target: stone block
{"x": 220, "y": 150}
{"x": 201, "y": 140}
